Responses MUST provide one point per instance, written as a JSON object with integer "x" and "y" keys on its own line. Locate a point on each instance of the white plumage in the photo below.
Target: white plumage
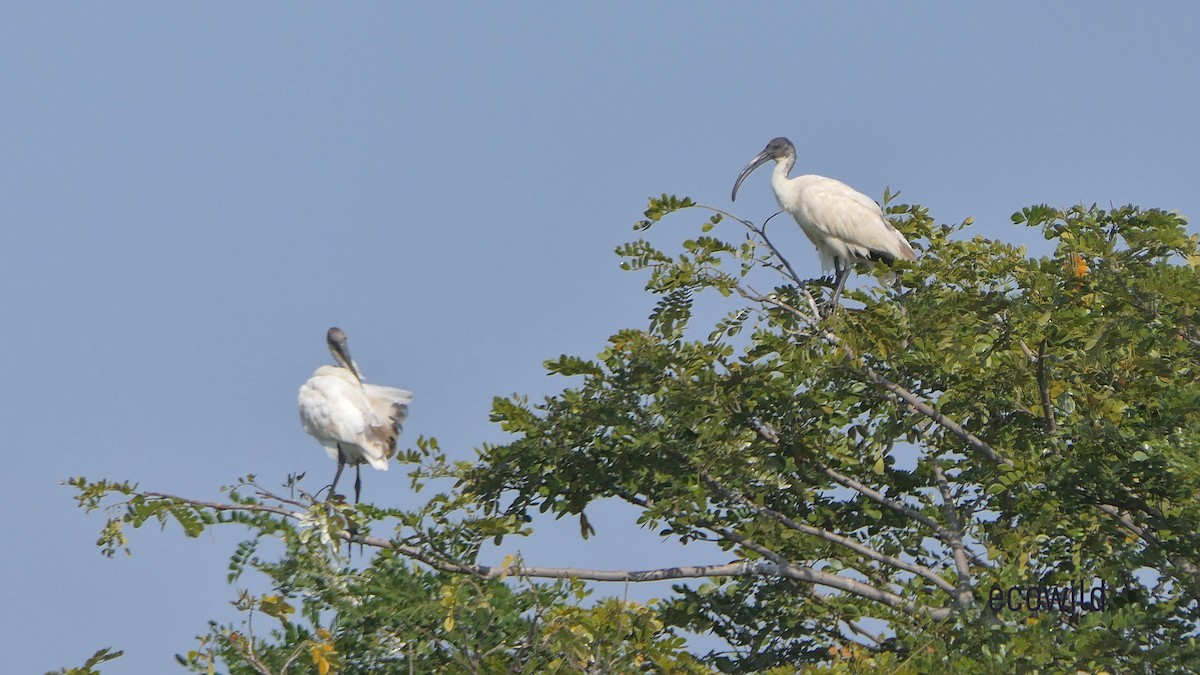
{"x": 356, "y": 422}
{"x": 844, "y": 224}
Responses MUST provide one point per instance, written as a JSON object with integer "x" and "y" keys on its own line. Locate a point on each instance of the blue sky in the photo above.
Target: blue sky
{"x": 191, "y": 195}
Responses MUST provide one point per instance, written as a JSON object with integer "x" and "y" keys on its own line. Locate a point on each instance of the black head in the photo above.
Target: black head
{"x": 777, "y": 149}
{"x": 336, "y": 339}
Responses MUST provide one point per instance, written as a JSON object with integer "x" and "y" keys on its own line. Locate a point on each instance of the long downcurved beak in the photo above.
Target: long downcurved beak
{"x": 759, "y": 159}
{"x": 341, "y": 351}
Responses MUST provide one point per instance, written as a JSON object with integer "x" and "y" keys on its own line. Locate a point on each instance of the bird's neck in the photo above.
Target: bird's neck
{"x": 783, "y": 167}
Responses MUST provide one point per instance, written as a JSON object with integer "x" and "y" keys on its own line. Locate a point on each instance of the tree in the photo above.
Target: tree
{"x": 988, "y": 462}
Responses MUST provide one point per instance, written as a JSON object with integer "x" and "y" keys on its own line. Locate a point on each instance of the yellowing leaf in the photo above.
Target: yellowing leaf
{"x": 320, "y": 657}
{"x": 1081, "y": 267}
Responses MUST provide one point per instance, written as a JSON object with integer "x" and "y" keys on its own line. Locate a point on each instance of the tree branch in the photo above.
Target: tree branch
{"x": 222, "y": 506}
{"x": 1044, "y": 388}
{"x": 761, "y": 232}
{"x": 914, "y": 402}
{"x": 858, "y": 547}
{"x": 790, "y": 569}
{"x": 778, "y": 567}
{"x": 738, "y": 569}
{"x": 769, "y": 435}
{"x": 720, "y": 530}
{"x": 918, "y": 405}
{"x": 1125, "y": 520}
{"x": 749, "y": 293}
{"x": 964, "y": 596}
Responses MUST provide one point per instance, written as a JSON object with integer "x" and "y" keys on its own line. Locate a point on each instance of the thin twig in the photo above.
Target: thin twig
{"x": 762, "y": 233}
{"x": 749, "y": 293}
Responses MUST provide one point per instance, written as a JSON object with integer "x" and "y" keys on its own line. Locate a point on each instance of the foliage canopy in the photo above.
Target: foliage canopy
{"x": 907, "y": 482}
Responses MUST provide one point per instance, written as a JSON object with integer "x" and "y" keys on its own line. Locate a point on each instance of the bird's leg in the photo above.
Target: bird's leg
{"x": 842, "y": 274}
{"x": 336, "y": 476}
{"x": 357, "y": 481}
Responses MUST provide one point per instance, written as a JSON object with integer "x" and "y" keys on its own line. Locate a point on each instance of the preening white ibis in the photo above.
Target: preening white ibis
{"x": 844, "y": 224}
{"x": 356, "y": 422}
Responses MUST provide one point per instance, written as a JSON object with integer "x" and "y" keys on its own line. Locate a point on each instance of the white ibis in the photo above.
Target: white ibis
{"x": 844, "y": 224}
{"x": 356, "y": 422}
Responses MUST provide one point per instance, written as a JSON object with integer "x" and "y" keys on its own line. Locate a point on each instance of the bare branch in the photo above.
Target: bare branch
{"x": 291, "y": 658}
{"x": 918, "y": 405}
{"x": 737, "y": 569}
{"x": 769, "y": 435}
{"x": 761, "y": 233}
{"x": 749, "y": 293}
{"x": 284, "y": 500}
{"x": 1027, "y": 352}
{"x": 221, "y": 506}
{"x": 1125, "y": 520}
{"x": 1043, "y": 381}
{"x": 778, "y": 567}
{"x": 961, "y": 564}
{"x": 727, "y": 533}
{"x": 855, "y": 627}
{"x": 858, "y": 547}
{"x": 872, "y": 494}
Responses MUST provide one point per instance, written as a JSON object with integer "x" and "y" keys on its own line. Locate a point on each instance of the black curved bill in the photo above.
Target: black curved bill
{"x": 759, "y": 159}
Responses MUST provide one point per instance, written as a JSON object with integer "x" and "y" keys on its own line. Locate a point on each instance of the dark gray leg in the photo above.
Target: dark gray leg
{"x": 842, "y": 274}
{"x": 336, "y": 476}
{"x": 357, "y": 481}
